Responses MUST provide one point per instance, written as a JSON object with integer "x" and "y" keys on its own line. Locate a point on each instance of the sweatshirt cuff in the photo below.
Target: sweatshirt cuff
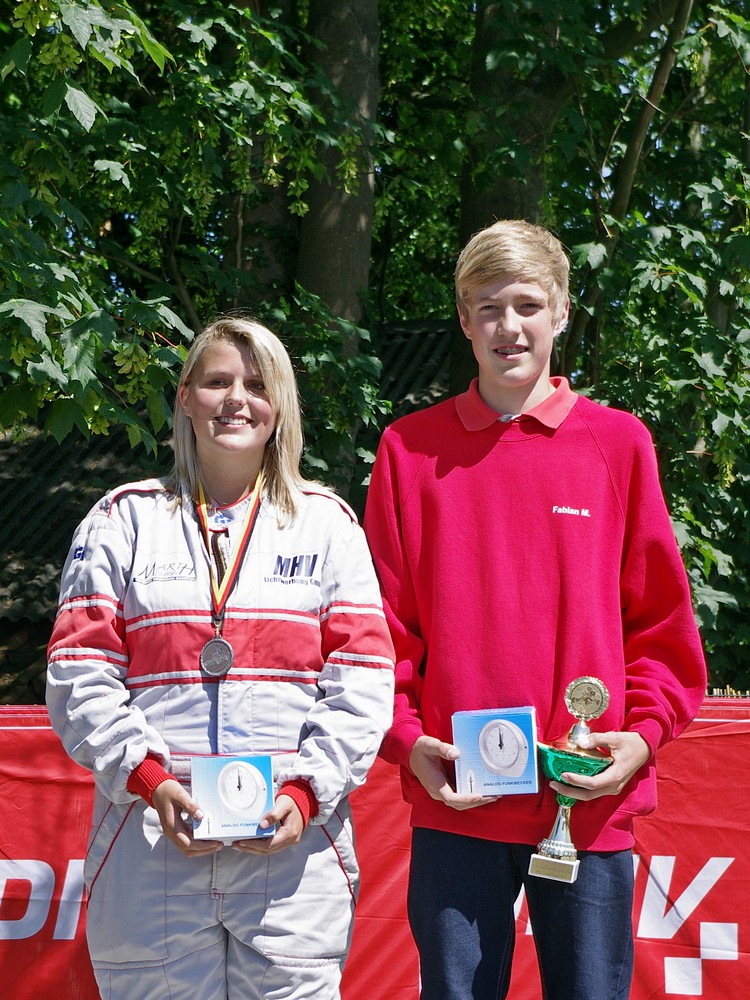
{"x": 302, "y": 795}
{"x": 650, "y": 730}
{"x": 399, "y": 741}
{"x": 146, "y": 778}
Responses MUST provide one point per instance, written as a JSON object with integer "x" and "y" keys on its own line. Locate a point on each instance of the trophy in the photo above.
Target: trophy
{"x": 586, "y": 698}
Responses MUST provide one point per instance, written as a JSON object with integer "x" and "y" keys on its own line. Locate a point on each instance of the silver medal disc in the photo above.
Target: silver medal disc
{"x": 217, "y": 656}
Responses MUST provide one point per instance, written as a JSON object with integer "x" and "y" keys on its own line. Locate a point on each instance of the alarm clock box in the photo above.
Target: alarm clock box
{"x": 234, "y": 793}
{"x": 498, "y": 751}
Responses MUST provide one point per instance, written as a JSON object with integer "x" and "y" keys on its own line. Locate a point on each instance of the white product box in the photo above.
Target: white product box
{"x": 234, "y": 793}
{"x": 498, "y": 751}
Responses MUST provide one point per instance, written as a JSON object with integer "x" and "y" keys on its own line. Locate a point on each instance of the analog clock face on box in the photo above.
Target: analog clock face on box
{"x": 504, "y": 748}
{"x": 241, "y": 787}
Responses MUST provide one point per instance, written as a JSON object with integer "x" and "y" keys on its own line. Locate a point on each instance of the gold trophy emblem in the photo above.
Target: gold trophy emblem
{"x": 586, "y": 698}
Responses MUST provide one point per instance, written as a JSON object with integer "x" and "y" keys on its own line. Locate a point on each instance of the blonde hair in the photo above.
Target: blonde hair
{"x": 282, "y": 478}
{"x": 513, "y": 248}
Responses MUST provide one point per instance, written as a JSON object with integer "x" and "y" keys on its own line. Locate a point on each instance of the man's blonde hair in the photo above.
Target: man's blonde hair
{"x": 513, "y": 248}
{"x": 281, "y": 460}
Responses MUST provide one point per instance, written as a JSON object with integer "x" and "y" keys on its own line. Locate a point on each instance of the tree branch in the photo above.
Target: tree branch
{"x": 131, "y": 265}
{"x": 182, "y": 293}
{"x": 623, "y": 37}
{"x": 629, "y": 166}
{"x": 624, "y": 181}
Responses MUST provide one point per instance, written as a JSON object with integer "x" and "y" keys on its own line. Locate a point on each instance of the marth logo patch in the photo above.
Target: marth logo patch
{"x": 165, "y": 569}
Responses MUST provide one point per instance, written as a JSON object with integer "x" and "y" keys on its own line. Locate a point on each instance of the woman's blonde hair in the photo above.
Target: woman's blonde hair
{"x": 283, "y": 480}
{"x": 513, "y": 248}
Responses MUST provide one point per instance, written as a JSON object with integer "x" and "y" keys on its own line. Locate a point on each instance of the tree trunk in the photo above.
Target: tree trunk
{"x": 335, "y": 234}
{"x": 498, "y": 184}
{"x": 259, "y": 230}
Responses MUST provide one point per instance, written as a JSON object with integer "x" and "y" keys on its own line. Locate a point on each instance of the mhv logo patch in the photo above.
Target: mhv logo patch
{"x": 298, "y": 568}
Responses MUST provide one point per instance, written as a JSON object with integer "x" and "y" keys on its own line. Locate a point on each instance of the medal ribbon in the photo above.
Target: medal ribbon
{"x": 221, "y": 589}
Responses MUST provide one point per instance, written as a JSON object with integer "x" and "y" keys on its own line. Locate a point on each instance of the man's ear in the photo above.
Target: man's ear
{"x": 563, "y": 320}
{"x": 463, "y": 319}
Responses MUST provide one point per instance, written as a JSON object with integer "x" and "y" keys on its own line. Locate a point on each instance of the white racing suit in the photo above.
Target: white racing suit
{"x": 311, "y": 684}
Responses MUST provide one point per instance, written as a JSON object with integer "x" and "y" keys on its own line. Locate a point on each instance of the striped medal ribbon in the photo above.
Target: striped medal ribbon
{"x": 217, "y": 656}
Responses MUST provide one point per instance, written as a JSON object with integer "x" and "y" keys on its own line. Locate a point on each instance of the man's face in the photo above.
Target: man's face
{"x": 512, "y": 330}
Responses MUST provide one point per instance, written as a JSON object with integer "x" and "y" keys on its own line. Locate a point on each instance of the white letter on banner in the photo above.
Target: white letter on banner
{"x": 655, "y": 921}
{"x": 70, "y": 902}
{"x": 42, "y": 879}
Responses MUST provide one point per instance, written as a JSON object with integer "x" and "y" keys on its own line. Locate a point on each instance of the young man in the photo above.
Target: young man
{"x": 522, "y": 541}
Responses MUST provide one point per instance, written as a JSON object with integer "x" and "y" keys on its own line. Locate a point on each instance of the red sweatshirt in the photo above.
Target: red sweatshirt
{"x": 514, "y": 557}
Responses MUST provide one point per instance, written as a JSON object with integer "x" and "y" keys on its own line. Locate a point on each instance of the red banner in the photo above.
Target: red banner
{"x": 691, "y": 918}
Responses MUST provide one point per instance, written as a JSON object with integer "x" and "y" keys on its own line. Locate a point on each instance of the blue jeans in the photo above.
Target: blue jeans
{"x": 461, "y": 896}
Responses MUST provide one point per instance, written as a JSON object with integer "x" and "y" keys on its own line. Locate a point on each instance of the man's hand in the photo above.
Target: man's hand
{"x": 426, "y": 763}
{"x": 170, "y": 801}
{"x": 629, "y": 752}
{"x": 289, "y": 828}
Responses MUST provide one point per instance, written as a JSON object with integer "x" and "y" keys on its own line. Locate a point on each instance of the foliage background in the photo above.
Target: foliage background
{"x": 320, "y": 165}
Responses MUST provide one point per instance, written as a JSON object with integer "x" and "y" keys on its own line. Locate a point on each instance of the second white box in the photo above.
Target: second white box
{"x": 498, "y": 751}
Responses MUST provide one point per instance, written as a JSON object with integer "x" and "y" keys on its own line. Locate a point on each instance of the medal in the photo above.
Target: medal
{"x": 217, "y": 656}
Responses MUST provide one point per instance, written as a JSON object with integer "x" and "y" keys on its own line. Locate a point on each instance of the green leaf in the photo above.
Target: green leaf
{"x": 115, "y": 171}
{"x": 47, "y": 370}
{"x": 659, "y": 234}
{"x": 709, "y": 366}
{"x": 33, "y": 315}
{"x": 15, "y": 401}
{"x": 158, "y": 410}
{"x": 81, "y": 105}
{"x": 198, "y": 34}
{"x": 15, "y": 193}
{"x": 53, "y": 97}
{"x": 78, "y": 19}
{"x": 137, "y": 434}
{"x": 738, "y": 249}
{"x": 713, "y": 598}
{"x": 64, "y": 414}
{"x": 17, "y": 57}
{"x": 720, "y": 423}
{"x": 591, "y": 254}
{"x": 81, "y": 352}
{"x": 173, "y": 320}
{"x": 155, "y": 49}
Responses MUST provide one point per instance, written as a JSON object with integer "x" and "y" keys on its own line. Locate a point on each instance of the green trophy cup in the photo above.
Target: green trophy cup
{"x": 586, "y": 698}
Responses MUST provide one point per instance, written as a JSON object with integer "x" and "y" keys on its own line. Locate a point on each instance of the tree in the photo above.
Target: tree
{"x": 161, "y": 166}
{"x": 141, "y": 155}
{"x": 620, "y": 126}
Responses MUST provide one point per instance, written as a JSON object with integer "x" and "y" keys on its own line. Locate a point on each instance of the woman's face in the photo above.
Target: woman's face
{"x": 228, "y": 405}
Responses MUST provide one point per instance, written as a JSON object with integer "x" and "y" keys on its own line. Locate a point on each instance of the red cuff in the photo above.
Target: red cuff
{"x": 146, "y": 778}
{"x": 302, "y": 794}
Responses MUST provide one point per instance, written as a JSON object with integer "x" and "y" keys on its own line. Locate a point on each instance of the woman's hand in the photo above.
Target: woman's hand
{"x": 171, "y": 800}
{"x": 289, "y": 828}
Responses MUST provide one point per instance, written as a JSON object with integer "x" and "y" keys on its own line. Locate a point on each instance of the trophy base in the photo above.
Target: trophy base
{"x": 557, "y": 869}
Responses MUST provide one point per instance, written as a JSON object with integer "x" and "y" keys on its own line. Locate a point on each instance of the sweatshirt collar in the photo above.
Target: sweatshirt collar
{"x": 476, "y": 415}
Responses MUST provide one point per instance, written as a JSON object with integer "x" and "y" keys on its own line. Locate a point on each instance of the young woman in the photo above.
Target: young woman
{"x": 229, "y": 608}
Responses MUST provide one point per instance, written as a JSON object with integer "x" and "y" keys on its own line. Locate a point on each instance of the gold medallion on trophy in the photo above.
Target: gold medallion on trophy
{"x": 586, "y": 698}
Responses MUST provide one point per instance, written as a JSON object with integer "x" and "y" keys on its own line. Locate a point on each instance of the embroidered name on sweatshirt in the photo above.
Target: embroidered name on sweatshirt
{"x": 578, "y": 512}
